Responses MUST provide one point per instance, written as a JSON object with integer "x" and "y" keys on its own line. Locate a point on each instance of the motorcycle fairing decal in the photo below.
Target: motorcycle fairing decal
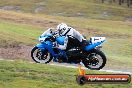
{"x": 91, "y": 46}
{"x": 96, "y": 39}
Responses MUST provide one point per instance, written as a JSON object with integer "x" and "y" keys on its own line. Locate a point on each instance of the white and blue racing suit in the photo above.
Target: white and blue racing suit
{"x": 71, "y": 33}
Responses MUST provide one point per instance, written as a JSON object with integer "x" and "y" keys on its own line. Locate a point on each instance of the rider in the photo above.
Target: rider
{"x": 72, "y": 37}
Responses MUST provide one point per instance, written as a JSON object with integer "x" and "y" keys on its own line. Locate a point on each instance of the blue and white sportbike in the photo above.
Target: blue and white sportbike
{"x": 90, "y": 55}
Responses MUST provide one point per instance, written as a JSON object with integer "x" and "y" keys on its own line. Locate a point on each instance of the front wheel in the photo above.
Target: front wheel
{"x": 95, "y": 60}
{"x": 40, "y": 56}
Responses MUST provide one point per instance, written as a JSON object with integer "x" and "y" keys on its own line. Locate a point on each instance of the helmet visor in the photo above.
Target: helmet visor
{"x": 62, "y": 30}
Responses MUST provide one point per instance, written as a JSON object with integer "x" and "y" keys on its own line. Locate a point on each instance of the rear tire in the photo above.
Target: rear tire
{"x": 90, "y": 60}
{"x": 40, "y": 56}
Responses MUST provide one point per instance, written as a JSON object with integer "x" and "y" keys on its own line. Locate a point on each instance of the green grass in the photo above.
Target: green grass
{"x": 21, "y": 74}
{"x": 26, "y": 75}
{"x": 119, "y": 53}
{"x": 118, "y": 47}
{"x": 20, "y": 28}
{"x": 118, "y": 34}
{"x": 19, "y": 33}
{"x": 104, "y": 26}
{"x": 72, "y": 8}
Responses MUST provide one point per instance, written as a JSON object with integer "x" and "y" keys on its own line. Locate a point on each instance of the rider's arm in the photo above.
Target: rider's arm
{"x": 78, "y": 36}
{"x": 63, "y": 47}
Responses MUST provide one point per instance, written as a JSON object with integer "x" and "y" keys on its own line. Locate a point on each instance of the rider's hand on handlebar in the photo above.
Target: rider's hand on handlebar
{"x": 52, "y": 38}
{"x": 55, "y": 45}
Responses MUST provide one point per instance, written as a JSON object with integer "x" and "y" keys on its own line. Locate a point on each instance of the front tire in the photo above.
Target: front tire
{"x": 95, "y": 60}
{"x": 40, "y": 56}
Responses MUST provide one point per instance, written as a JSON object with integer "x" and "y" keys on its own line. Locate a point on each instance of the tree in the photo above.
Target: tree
{"x": 128, "y": 3}
{"x": 102, "y": 1}
{"x": 120, "y": 2}
{"x": 114, "y": 1}
{"x": 131, "y": 2}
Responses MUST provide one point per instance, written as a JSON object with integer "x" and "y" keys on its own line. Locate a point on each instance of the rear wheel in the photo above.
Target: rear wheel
{"x": 95, "y": 60}
{"x": 40, "y": 56}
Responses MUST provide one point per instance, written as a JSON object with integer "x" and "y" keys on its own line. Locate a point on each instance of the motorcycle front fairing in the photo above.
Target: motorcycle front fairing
{"x": 46, "y": 45}
{"x": 41, "y": 45}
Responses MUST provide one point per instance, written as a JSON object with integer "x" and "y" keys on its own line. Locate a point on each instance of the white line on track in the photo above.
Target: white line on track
{"x": 75, "y": 66}
{"x": 104, "y": 70}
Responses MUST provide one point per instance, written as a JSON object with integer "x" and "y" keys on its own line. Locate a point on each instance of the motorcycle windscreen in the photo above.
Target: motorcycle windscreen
{"x": 92, "y": 46}
{"x": 60, "y": 40}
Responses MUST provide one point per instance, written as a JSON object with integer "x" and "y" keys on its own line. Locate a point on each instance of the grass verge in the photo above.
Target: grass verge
{"x": 118, "y": 34}
{"x": 27, "y": 75}
{"x": 70, "y": 8}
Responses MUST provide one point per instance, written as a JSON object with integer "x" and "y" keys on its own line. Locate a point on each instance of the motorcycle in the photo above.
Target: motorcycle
{"x": 90, "y": 55}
